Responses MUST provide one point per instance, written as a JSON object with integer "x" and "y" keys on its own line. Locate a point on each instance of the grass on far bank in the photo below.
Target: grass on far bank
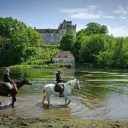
{"x": 52, "y": 66}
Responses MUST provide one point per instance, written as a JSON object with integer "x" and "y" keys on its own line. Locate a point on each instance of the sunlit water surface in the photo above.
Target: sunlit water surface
{"x": 103, "y": 95}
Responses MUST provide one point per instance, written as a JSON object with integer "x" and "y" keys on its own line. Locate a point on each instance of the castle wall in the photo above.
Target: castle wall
{"x": 54, "y": 36}
{"x": 61, "y": 33}
{"x": 50, "y": 38}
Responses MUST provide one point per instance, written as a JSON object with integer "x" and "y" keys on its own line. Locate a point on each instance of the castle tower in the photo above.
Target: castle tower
{"x": 54, "y": 36}
{"x": 63, "y": 28}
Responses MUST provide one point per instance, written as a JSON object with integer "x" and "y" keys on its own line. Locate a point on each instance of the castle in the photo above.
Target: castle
{"x": 54, "y": 36}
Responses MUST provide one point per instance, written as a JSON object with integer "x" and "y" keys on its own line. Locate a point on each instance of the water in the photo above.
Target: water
{"x": 103, "y": 95}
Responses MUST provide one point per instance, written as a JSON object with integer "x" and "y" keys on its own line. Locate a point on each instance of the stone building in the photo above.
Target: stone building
{"x": 64, "y": 57}
{"x": 54, "y": 36}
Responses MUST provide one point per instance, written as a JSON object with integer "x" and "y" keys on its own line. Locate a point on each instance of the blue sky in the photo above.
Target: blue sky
{"x": 49, "y": 13}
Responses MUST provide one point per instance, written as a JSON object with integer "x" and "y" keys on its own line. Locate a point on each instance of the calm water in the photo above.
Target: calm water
{"x": 103, "y": 95}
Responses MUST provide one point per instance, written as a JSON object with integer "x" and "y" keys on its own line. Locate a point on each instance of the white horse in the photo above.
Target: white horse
{"x": 48, "y": 90}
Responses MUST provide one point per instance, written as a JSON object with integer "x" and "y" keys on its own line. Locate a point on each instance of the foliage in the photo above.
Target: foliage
{"x": 40, "y": 55}
{"x": 95, "y": 47}
{"x": 34, "y": 37}
{"x": 92, "y": 46}
{"x": 95, "y": 28}
{"x": 15, "y": 37}
{"x": 67, "y": 41}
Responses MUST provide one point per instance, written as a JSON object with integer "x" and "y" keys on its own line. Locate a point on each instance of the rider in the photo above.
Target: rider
{"x": 10, "y": 83}
{"x": 59, "y": 80}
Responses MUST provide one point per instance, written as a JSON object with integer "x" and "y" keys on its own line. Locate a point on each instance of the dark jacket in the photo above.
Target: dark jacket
{"x": 6, "y": 78}
{"x": 58, "y": 78}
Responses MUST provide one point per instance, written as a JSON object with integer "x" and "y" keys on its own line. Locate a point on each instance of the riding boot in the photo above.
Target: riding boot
{"x": 61, "y": 95}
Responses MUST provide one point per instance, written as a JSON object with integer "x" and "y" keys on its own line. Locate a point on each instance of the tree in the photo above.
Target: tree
{"x": 91, "y": 47}
{"x": 76, "y": 50}
{"x": 95, "y": 28}
{"x": 67, "y": 41}
{"x": 33, "y": 37}
{"x": 15, "y": 37}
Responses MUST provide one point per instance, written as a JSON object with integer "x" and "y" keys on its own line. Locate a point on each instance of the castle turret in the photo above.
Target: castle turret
{"x": 54, "y": 36}
{"x": 63, "y": 28}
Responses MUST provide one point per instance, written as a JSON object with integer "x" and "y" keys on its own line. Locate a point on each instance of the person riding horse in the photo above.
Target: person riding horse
{"x": 10, "y": 83}
{"x": 59, "y": 82}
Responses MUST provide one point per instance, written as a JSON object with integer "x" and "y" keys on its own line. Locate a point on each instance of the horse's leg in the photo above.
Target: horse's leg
{"x": 13, "y": 100}
{"x": 44, "y": 99}
{"x": 67, "y": 98}
{"x": 48, "y": 99}
{"x": 44, "y": 96}
{"x": 65, "y": 101}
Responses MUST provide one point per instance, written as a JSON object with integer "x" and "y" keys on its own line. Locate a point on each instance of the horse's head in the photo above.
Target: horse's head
{"x": 74, "y": 83}
{"x": 77, "y": 84}
{"x": 27, "y": 82}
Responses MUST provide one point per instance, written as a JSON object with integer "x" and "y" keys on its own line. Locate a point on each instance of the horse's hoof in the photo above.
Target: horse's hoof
{"x": 9, "y": 104}
{"x": 45, "y": 105}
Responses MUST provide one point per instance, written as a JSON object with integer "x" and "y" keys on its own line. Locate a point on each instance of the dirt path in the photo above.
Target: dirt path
{"x": 18, "y": 122}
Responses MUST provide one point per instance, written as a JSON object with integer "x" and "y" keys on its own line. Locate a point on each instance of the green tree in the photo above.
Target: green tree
{"x": 15, "y": 37}
{"x": 67, "y": 41}
{"x": 95, "y": 28}
{"x": 91, "y": 47}
{"x": 76, "y": 50}
{"x": 33, "y": 37}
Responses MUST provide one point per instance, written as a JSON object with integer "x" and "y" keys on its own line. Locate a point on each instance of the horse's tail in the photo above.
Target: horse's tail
{"x": 44, "y": 93}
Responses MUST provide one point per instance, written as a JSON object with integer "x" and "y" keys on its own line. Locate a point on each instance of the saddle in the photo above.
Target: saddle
{"x": 58, "y": 88}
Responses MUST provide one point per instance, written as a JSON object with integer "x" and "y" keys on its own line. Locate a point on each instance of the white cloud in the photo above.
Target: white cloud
{"x": 90, "y": 12}
{"x": 109, "y": 17}
{"x": 122, "y": 11}
{"x": 79, "y": 27}
{"x": 123, "y": 17}
{"x": 119, "y": 31}
{"x": 85, "y": 16}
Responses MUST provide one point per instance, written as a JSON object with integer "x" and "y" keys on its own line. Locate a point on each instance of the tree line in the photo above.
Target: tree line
{"x": 93, "y": 45}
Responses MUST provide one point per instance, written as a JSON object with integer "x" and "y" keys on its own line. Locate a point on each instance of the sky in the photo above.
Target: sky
{"x": 50, "y": 13}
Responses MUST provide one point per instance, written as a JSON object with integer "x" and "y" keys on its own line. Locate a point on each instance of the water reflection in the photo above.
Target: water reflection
{"x": 103, "y": 94}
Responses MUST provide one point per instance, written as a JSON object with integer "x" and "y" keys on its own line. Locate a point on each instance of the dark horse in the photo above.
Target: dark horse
{"x": 5, "y": 91}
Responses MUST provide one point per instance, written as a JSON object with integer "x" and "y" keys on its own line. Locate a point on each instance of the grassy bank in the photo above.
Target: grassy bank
{"x": 46, "y": 66}
{"x": 18, "y": 122}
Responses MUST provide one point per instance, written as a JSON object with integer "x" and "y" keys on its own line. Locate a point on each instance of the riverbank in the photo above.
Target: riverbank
{"x": 20, "y": 122}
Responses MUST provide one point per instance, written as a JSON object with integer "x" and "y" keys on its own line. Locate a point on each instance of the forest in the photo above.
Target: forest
{"x": 93, "y": 45}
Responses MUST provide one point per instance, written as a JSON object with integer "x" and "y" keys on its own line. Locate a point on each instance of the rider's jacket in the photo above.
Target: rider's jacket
{"x": 58, "y": 78}
{"x": 6, "y": 78}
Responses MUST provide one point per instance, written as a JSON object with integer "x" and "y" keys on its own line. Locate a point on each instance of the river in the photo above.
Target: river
{"x": 103, "y": 95}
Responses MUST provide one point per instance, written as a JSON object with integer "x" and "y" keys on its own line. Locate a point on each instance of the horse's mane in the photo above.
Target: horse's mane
{"x": 71, "y": 81}
{"x": 19, "y": 81}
